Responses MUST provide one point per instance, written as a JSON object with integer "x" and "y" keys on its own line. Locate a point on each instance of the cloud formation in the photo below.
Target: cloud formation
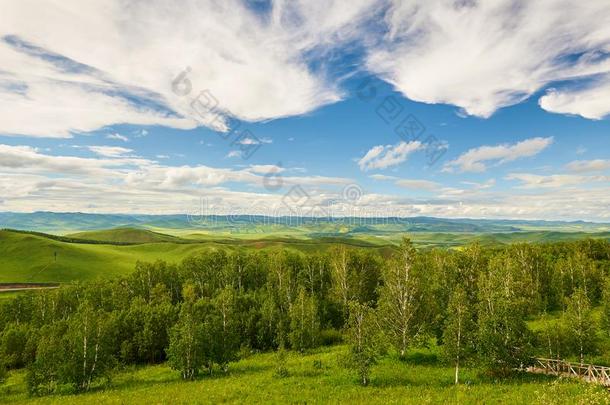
{"x": 118, "y": 137}
{"x": 384, "y": 156}
{"x": 254, "y": 66}
{"x": 418, "y": 184}
{"x": 286, "y": 60}
{"x": 32, "y": 180}
{"x": 477, "y": 159}
{"x": 485, "y": 55}
{"x": 529, "y": 180}
{"x": 596, "y": 165}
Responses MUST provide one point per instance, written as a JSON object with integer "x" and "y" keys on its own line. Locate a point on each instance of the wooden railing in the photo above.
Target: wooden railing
{"x": 586, "y": 372}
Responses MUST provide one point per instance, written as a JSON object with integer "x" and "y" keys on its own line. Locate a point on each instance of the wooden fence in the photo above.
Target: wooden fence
{"x": 586, "y": 372}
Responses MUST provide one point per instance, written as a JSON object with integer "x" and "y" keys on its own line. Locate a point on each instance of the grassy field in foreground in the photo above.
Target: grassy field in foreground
{"x": 419, "y": 379}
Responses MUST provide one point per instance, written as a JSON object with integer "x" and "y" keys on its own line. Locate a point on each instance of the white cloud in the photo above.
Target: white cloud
{"x": 109, "y": 151}
{"x": 265, "y": 169}
{"x": 254, "y": 141}
{"x": 554, "y": 181}
{"x": 25, "y": 159}
{"x": 596, "y": 165}
{"x": 31, "y": 180}
{"x": 484, "y": 55}
{"x": 116, "y": 168}
{"x": 592, "y": 101}
{"x": 233, "y": 154}
{"x": 477, "y": 159}
{"x": 382, "y": 157}
{"x": 118, "y": 137}
{"x": 418, "y": 184}
{"x": 255, "y": 67}
{"x": 479, "y": 56}
{"x": 479, "y": 186}
{"x": 382, "y": 177}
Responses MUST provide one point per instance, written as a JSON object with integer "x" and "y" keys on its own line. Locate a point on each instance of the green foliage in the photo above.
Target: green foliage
{"x": 187, "y": 350}
{"x": 202, "y": 313}
{"x": 3, "y": 373}
{"x": 605, "y": 320}
{"x": 365, "y": 340}
{"x": 329, "y": 337}
{"x": 304, "y": 322}
{"x": 76, "y": 352}
{"x": 13, "y": 342}
{"x": 404, "y": 303}
{"x": 580, "y": 326}
{"x": 281, "y": 369}
{"x": 459, "y": 337}
{"x": 553, "y": 338}
{"x": 504, "y": 341}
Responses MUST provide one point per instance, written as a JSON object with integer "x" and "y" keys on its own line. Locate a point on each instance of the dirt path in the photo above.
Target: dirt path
{"x": 11, "y": 287}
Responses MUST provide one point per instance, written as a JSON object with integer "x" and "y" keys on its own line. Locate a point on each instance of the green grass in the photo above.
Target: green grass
{"x": 28, "y": 257}
{"x": 5, "y": 295}
{"x": 31, "y": 258}
{"x": 126, "y": 235}
{"x": 421, "y": 380}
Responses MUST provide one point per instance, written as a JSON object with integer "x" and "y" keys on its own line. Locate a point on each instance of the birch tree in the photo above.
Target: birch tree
{"x": 304, "y": 322}
{"x": 402, "y": 299}
{"x": 365, "y": 340}
{"x": 186, "y": 352}
{"x": 340, "y": 276}
{"x": 581, "y": 327}
{"x": 458, "y": 336}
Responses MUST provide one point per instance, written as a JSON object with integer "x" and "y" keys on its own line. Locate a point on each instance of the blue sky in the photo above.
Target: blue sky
{"x": 514, "y": 124}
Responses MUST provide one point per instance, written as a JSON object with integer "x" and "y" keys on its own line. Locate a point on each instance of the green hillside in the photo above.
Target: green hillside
{"x": 31, "y": 257}
{"x": 64, "y": 223}
{"x": 126, "y": 235}
{"x": 36, "y": 257}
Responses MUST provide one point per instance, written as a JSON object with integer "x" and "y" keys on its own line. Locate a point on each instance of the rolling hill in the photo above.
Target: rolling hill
{"x": 28, "y": 257}
{"x": 70, "y": 223}
{"x": 126, "y": 235}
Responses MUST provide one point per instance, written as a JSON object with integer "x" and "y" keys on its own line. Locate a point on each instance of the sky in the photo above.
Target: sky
{"x": 458, "y": 109}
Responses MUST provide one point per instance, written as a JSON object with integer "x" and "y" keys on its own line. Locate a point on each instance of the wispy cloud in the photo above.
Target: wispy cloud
{"x": 596, "y": 165}
{"x": 479, "y": 56}
{"x": 382, "y": 177}
{"x": 117, "y": 136}
{"x": 384, "y": 156}
{"x": 257, "y": 68}
{"x": 255, "y": 141}
{"x": 478, "y": 159}
{"x": 109, "y": 151}
{"x": 418, "y": 184}
{"x": 482, "y": 56}
{"x": 529, "y": 180}
{"x": 233, "y": 154}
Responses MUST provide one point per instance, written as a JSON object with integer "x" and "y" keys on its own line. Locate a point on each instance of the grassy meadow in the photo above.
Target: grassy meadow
{"x": 318, "y": 377}
{"x": 30, "y": 257}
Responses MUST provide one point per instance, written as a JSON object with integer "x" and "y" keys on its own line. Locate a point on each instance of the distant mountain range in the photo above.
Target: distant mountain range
{"x": 60, "y": 223}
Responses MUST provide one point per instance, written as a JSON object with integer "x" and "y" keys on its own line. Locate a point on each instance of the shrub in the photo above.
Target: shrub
{"x": 329, "y": 337}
